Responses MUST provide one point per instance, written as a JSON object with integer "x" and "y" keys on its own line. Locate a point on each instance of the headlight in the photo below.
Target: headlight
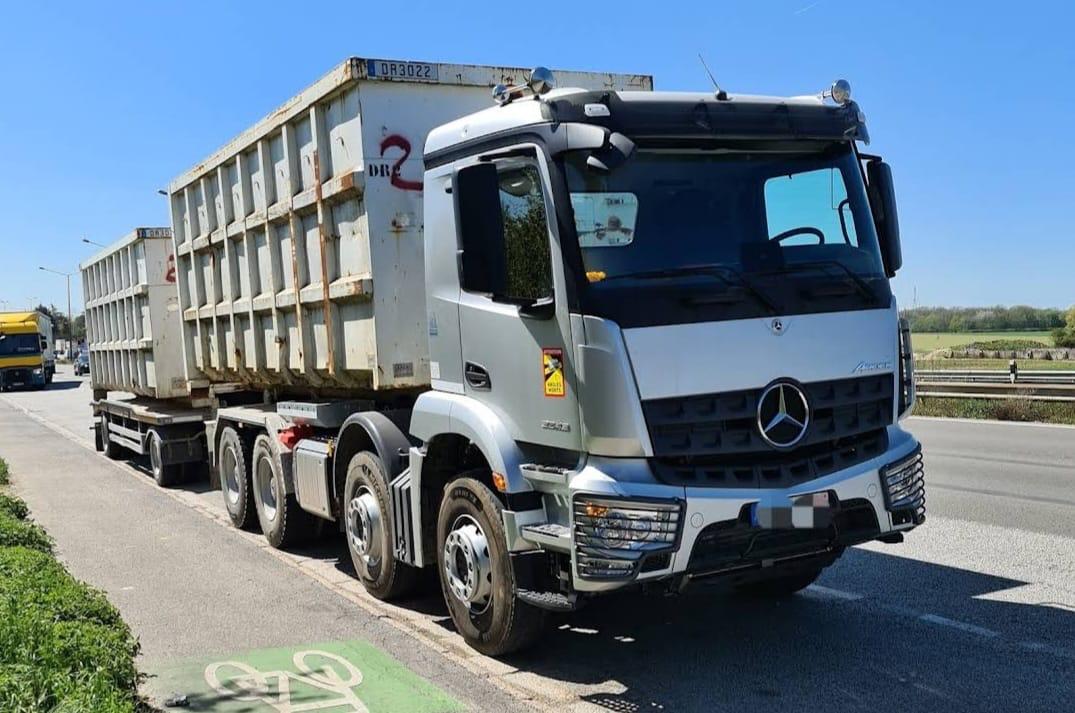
{"x": 612, "y": 536}
{"x": 38, "y": 371}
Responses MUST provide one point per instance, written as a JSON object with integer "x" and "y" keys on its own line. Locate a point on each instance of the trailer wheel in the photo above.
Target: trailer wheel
{"x": 476, "y": 575}
{"x": 368, "y": 527}
{"x": 165, "y": 475}
{"x": 234, "y": 458}
{"x": 780, "y": 587}
{"x": 108, "y": 446}
{"x": 283, "y": 521}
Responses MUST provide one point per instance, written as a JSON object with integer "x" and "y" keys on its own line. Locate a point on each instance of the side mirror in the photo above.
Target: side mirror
{"x": 882, "y": 194}
{"x": 480, "y": 228}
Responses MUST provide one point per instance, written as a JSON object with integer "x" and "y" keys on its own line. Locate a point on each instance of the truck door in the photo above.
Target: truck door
{"x": 516, "y": 360}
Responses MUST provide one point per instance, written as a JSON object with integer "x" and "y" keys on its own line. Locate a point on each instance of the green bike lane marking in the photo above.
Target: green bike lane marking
{"x": 335, "y": 677}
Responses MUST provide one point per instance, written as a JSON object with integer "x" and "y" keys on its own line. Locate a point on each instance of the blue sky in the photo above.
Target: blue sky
{"x": 971, "y": 102}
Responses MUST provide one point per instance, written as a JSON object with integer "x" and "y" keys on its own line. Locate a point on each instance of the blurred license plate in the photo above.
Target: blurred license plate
{"x": 808, "y": 512}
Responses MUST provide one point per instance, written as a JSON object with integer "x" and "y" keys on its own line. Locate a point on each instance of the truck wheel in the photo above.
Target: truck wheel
{"x": 780, "y": 587}
{"x": 368, "y": 528}
{"x": 283, "y": 521}
{"x": 165, "y": 475}
{"x": 235, "y": 479}
{"x": 108, "y": 446}
{"x": 476, "y": 575}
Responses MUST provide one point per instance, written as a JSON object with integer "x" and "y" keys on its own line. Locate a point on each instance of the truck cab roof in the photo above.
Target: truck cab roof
{"x": 659, "y": 114}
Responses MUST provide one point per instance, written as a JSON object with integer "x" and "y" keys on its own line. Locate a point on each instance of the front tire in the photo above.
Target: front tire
{"x": 368, "y": 528}
{"x": 108, "y": 446}
{"x": 233, "y": 462}
{"x": 476, "y": 575}
{"x": 283, "y": 521}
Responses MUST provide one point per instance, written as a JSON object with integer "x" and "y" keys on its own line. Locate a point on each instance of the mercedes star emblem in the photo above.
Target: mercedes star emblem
{"x": 777, "y": 326}
{"x": 783, "y": 414}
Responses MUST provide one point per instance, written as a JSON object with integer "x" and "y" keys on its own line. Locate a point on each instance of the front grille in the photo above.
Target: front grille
{"x": 713, "y": 439}
{"x": 17, "y": 376}
{"x": 734, "y": 544}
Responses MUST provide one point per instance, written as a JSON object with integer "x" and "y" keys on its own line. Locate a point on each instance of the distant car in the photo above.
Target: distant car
{"x": 82, "y": 364}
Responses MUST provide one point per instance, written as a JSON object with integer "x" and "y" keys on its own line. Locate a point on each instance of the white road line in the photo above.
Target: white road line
{"x": 961, "y": 625}
{"x": 816, "y": 591}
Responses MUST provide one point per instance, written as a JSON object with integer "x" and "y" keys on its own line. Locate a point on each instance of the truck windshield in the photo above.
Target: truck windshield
{"x": 723, "y": 234}
{"x": 21, "y": 344}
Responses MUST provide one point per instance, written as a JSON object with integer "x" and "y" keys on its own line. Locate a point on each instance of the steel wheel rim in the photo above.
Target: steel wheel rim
{"x": 266, "y": 484}
{"x": 364, "y": 529}
{"x": 467, "y": 569}
{"x": 155, "y": 461}
{"x": 230, "y": 468}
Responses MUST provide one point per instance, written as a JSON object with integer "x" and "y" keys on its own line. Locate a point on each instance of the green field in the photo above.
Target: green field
{"x": 924, "y": 342}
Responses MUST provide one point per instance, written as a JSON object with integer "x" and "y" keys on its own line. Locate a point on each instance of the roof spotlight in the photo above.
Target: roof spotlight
{"x": 841, "y": 92}
{"x": 541, "y": 81}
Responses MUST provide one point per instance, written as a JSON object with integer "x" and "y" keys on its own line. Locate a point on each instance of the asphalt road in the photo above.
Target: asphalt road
{"x": 975, "y": 611}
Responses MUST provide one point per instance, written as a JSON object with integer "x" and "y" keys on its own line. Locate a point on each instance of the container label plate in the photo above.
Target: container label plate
{"x": 393, "y": 69}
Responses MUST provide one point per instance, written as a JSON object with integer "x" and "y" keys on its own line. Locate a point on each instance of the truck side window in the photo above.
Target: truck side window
{"x": 811, "y": 199}
{"x": 526, "y": 233}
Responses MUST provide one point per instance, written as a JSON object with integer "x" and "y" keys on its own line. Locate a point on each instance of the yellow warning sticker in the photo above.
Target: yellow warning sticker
{"x": 552, "y": 362}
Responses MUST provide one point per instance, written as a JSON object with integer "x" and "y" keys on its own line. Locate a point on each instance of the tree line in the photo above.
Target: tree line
{"x": 985, "y": 319}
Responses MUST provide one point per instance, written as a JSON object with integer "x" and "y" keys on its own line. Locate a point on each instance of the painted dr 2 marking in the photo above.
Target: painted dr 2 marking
{"x": 393, "y": 172}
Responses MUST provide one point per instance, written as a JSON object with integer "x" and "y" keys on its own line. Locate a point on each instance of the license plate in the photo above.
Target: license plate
{"x": 806, "y": 512}
{"x": 393, "y": 69}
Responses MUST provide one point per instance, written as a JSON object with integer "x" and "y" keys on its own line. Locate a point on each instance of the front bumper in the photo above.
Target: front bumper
{"x": 714, "y": 533}
{"x": 11, "y": 377}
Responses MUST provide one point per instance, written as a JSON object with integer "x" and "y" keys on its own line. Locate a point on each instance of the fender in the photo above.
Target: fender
{"x": 374, "y": 431}
{"x": 438, "y": 412}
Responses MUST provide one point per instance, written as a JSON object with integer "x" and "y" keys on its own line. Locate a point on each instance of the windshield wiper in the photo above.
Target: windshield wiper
{"x": 721, "y": 272}
{"x": 860, "y": 284}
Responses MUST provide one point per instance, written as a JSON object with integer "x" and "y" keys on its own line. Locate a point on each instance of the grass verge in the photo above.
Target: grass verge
{"x": 63, "y": 646}
{"x": 996, "y": 409}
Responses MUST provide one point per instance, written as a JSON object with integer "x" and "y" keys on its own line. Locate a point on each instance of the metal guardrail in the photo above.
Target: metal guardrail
{"x": 1043, "y": 376}
{"x": 1012, "y": 383}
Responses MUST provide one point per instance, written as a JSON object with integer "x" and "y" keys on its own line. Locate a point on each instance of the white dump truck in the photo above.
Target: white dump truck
{"x": 552, "y": 342}
{"x": 141, "y": 400}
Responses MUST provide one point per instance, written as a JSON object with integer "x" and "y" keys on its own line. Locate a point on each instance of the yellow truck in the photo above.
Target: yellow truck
{"x": 26, "y": 350}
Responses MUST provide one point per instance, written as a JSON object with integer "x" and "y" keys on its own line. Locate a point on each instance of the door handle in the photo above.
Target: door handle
{"x": 477, "y": 376}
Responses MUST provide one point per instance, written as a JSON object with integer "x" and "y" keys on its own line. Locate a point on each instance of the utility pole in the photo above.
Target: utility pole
{"x": 70, "y": 317}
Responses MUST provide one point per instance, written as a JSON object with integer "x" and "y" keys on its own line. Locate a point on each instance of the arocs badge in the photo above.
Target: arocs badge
{"x": 552, "y": 362}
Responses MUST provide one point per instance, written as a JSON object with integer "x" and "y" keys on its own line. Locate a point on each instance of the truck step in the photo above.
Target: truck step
{"x": 551, "y": 535}
{"x": 550, "y": 601}
{"x": 546, "y": 473}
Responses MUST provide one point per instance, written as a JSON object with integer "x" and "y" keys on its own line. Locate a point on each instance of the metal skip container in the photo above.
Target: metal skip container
{"x": 132, "y": 317}
{"x": 299, "y": 243}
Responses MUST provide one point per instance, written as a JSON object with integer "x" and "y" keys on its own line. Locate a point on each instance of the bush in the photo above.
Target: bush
{"x": 22, "y": 533}
{"x": 1007, "y": 345}
{"x": 13, "y": 507}
{"x": 1064, "y": 337}
{"x": 63, "y": 646}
